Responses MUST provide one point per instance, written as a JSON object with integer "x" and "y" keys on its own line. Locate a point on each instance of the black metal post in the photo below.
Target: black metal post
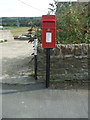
{"x": 47, "y": 66}
{"x": 35, "y": 57}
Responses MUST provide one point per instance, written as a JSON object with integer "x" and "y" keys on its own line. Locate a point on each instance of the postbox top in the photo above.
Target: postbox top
{"x": 49, "y": 18}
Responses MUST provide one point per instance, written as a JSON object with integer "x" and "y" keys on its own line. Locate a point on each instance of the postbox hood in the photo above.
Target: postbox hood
{"x": 49, "y": 18}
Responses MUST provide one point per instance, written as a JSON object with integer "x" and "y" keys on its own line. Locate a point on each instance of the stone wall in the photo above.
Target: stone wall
{"x": 68, "y": 62}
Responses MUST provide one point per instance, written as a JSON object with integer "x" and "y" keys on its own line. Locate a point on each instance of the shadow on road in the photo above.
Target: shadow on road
{"x": 11, "y": 89}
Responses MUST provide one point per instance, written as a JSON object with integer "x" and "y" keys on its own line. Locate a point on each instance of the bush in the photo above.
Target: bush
{"x": 5, "y": 40}
{"x": 39, "y": 34}
{"x": 72, "y": 23}
{"x": 1, "y": 41}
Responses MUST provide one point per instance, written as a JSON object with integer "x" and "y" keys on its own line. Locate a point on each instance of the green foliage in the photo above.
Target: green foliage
{"x": 21, "y": 21}
{"x": 5, "y": 40}
{"x": 38, "y": 33}
{"x": 31, "y": 74}
{"x": 72, "y": 23}
{"x": 1, "y": 41}
{"x": 17, "y": 31}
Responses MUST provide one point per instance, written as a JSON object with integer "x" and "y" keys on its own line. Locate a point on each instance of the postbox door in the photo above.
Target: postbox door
{"x": 49, "y": 38}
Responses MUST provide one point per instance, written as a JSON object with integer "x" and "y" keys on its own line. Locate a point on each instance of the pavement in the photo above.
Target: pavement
{"x": 35, "y": 101}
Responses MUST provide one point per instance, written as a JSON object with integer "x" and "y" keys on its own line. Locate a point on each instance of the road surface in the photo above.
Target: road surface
{"x": 35, "y": 101}
{"x": 15, "y": 61}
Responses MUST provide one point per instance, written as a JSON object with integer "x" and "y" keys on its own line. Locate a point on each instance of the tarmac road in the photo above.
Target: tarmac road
{"x": 35, "y": 101}
{"x": 15, "y": 62}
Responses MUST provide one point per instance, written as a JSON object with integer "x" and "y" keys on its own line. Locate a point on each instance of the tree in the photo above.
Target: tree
{"x": 72, "y": 22}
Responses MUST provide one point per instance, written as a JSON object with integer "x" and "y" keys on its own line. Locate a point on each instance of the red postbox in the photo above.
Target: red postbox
{"x": 48, "y": 31}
